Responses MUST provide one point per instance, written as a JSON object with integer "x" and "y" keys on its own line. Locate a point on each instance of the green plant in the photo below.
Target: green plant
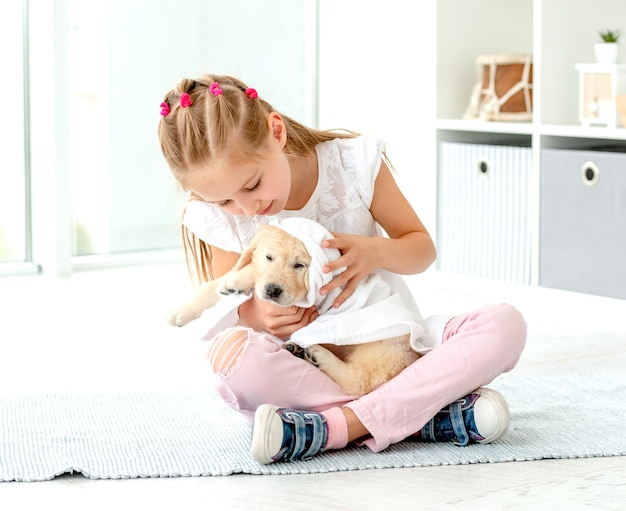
{"x": 610, "y": 36}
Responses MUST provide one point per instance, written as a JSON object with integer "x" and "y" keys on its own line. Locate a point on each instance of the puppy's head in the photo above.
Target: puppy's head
{"x": 281, "y": 265}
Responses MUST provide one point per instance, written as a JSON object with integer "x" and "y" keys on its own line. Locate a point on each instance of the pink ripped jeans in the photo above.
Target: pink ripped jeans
{"x": 251, "y": 369}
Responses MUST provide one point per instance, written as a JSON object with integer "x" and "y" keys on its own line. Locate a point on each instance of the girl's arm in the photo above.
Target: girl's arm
{"x": 222, "y": 261}
{"x": 259, "y": 314}
{"x": 408, "y": 250}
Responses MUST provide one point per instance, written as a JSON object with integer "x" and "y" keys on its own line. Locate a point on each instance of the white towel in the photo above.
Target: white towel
{"x": 373, "y": 312}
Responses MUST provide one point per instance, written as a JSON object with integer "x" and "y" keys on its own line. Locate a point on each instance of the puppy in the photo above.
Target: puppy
{"x": 275, "y": 267}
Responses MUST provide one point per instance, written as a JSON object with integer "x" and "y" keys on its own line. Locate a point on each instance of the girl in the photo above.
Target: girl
{"x": 241, "y": 161}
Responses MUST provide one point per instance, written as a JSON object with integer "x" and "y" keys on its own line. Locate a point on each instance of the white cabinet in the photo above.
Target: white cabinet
{"x": 559, "y": 34}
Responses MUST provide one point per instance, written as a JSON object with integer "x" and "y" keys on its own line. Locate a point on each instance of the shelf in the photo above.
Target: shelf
{"x": 519, "y": 128}
{"x": 527, "y": 128}
{"x": 465, "y": 31}
{"x": 578, "y": 131}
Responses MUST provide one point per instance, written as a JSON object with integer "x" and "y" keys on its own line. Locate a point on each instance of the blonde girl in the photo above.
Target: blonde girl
{"x": 241, "y": 161}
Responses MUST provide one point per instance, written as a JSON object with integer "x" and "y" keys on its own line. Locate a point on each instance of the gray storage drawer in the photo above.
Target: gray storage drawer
{"x": 583, "y": 222}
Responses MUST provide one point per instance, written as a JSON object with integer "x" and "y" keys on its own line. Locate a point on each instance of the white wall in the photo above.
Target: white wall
{"x": 377, "y": 76}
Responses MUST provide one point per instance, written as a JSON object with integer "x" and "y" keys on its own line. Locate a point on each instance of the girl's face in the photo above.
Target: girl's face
{"x": 261, "y": 187}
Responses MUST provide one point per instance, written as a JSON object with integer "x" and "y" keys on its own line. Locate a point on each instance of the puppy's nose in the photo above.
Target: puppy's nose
{"x": 273, "y": 291}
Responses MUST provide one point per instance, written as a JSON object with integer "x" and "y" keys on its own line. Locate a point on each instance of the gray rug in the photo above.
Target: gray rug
{"x": 192, "y": 434}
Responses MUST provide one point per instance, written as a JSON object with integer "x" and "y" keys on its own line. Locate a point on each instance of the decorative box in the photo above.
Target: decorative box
{"x": 599, "y": 84}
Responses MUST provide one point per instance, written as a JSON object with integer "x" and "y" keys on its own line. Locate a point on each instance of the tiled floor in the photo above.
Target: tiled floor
{"x": 103, "y": 331}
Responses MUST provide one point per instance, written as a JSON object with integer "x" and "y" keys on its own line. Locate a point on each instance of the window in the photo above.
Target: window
{"x": 14, "y": 225}
{"x": 122, "y": 57}
{"x": 98, "y": 72}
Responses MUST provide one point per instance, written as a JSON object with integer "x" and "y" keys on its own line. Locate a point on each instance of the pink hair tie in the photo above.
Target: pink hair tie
{"x": 165, "y": 109}
{"x": 252, "y": 93}
{"x": 215, "y": 89}
{"x": 185, "y": 100}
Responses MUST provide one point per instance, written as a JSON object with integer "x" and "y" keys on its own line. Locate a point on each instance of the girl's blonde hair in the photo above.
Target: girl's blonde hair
{"x": 204, "y": 118}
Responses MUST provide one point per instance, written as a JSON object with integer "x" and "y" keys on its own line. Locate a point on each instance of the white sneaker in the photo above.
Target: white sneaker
{"x": 283, "y": 434}
{"x": 480, "y": 417}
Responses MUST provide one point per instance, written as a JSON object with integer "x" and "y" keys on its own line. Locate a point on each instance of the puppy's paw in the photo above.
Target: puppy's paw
{"x": 181, "y": 317}
{"x": 314, "y": 355}
{"x": 228, "y": 288}
{"x": 300, "y": 352}
{"x": 294, "y": 349}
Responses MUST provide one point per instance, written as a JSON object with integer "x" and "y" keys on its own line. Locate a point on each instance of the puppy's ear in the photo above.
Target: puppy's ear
{"x": 246, "y": 257}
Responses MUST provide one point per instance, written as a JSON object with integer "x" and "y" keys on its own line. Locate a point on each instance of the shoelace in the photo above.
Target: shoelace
{"x": 300, "y": 437}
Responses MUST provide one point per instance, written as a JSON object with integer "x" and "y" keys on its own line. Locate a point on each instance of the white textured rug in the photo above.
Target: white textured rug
{"x": 192, "y": 434}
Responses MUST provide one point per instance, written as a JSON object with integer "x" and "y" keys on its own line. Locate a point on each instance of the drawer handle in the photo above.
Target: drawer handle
{"x": 483, "y": 167}
{"x": 589, "y": 173}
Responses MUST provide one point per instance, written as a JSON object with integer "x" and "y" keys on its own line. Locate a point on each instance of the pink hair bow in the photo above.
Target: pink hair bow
{"x": 185, "y": 100}
{"x": 252, "y": 93}
{"x": 165, "y": 109}
{"x": 215, "y": 89}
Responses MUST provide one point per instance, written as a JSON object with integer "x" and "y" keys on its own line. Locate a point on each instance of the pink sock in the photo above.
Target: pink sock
{"x": 337, "y": 429}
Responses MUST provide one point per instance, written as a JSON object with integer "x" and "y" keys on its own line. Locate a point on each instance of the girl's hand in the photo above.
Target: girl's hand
{"x": 279, "y": 321}
{"x": 359, "y": 256}
{"x": 407, "y": 250}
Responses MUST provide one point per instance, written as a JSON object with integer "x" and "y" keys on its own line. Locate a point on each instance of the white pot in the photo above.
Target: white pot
{"x": 606, "y": 53}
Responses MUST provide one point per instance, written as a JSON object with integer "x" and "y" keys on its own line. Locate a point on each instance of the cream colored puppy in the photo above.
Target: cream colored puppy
{"x": 275, "y": 267}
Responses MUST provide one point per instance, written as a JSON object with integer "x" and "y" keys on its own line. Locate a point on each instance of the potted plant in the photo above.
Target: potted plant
{"x": 607, "y": 50}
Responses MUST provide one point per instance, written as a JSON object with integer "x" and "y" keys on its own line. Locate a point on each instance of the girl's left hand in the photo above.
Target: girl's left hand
{"x": 359, "y": 256}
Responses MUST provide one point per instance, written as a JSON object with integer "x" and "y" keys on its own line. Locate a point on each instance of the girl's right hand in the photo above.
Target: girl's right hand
{"x": 279, "y": 321}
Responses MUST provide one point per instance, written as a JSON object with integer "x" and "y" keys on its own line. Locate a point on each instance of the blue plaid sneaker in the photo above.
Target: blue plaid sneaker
{"x": 480, "y": 417}
{"x": 283, "y": 434}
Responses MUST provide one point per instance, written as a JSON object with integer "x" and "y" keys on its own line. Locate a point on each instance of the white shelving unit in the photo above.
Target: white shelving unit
{"x": 559, "y": 34}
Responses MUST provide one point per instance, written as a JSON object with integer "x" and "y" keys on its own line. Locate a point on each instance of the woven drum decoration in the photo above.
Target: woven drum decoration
{"x": 504, "y": 89}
